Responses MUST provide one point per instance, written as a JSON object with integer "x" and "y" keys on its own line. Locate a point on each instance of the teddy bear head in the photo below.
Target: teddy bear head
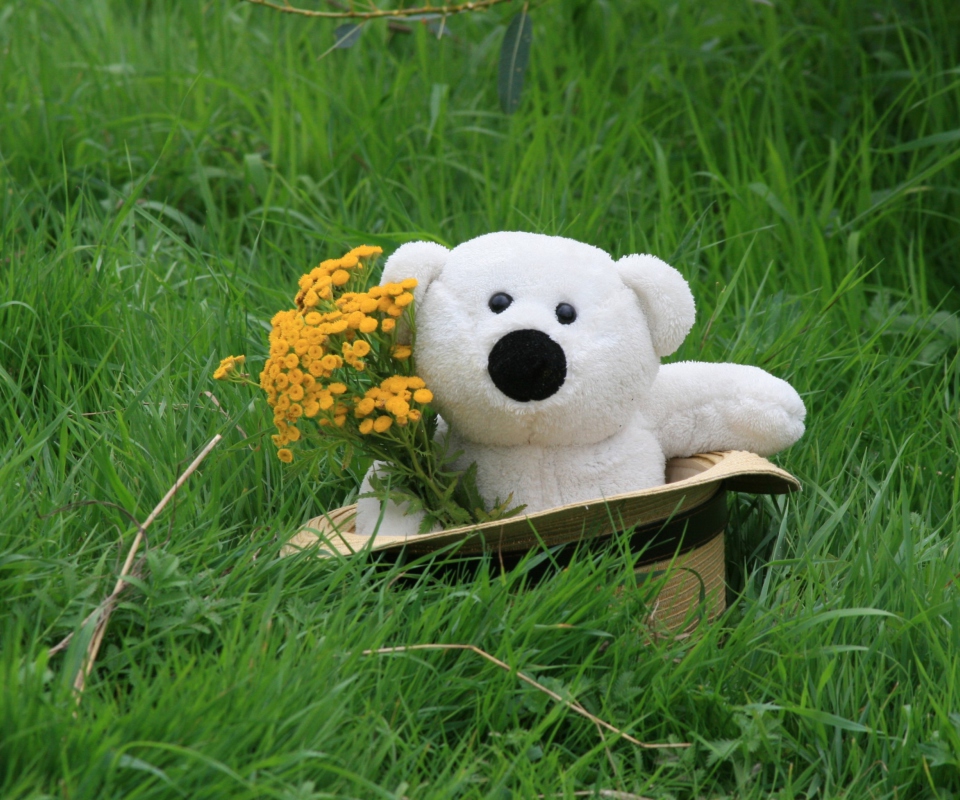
{"x": 532, "y": 339}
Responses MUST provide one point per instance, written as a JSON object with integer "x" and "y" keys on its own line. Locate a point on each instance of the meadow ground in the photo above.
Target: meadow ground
{"x": 167, "y": 171}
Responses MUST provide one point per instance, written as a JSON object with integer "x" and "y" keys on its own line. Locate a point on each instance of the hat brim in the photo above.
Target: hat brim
{"x": 691, "y": 482}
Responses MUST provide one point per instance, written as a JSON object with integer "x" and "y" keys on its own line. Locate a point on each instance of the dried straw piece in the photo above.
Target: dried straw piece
{"x": 105, "y": 609}
{"x": 573, "y": 706}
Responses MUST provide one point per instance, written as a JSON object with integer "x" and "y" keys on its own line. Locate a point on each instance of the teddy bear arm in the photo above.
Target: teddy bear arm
{"x": 698, "y": 407}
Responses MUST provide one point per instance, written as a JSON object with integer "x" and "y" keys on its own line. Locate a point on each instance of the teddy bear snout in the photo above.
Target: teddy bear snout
{"x": 527, "y": 365}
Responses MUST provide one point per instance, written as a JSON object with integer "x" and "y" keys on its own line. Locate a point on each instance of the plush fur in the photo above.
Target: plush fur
{"x": 554, "y": 410}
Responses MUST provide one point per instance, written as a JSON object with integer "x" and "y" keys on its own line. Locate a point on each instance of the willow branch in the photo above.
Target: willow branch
{"x": 381, "y": 13}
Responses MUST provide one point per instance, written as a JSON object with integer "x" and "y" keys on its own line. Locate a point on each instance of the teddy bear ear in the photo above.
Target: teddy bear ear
{"x": 420, "y": 260}
{"x": 665, "y": 297}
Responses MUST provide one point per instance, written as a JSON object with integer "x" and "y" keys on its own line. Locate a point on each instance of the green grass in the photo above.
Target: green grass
{"x": 168, "y": 169}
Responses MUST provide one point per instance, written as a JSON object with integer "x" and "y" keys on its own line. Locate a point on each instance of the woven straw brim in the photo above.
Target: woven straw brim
{"x": 691, "y": 483}
{"x": 690, "y": 587}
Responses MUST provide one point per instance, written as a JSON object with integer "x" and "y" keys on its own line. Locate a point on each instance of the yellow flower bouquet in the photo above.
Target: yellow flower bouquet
{"x": 338, "y": 378}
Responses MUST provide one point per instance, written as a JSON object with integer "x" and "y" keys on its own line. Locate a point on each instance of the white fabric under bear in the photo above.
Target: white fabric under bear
{"x": 543, "y": 355}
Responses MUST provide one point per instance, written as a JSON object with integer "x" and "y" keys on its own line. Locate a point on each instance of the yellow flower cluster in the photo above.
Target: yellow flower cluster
{"x": 227, "y": 366}
{"x": 334, "y": 329}
{"x": 393, "y": 395}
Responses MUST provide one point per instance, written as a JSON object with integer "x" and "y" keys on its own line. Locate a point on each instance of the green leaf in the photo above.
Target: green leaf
{"x": 437, "y": 95}
{"x": 944, "y": 137}
{"x": 514, "y": 55}
{"x": 721, "y": 750}
{"x": 256, "y": 173}
{"x": 347, "y": 35}
{"x": 466, "y": 494}
{"x": 841, "y": 613}
{"x": 130, "y": 762}
{"x": 101, "y": 457}
{"x": 439, "y": 27}
{"x": 826, "y": 718}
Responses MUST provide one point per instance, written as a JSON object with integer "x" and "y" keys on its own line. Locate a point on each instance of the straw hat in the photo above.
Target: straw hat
{"x": 676, "y": 529}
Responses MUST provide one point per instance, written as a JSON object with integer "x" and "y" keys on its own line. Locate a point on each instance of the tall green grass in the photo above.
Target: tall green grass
{"x": 167, "y": 170}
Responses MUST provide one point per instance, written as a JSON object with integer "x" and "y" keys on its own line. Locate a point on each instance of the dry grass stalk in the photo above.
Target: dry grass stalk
{"x": 108, "y": 602}
{"x": 573, "y": 706}
{"x": 105, "y": 609}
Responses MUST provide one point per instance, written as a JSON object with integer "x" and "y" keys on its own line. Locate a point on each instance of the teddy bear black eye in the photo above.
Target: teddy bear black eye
{"x": 500, "y": 302}
{"x": 566, "y": 313}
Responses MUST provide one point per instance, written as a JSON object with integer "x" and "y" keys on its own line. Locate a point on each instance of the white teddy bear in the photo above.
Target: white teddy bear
{"x": 543, "y": 355}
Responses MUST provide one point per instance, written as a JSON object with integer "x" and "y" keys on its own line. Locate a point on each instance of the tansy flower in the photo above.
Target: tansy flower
{"x": 335, "y": 325}
{"x": 227, "y": 367}
{"x": 397, "y": 406}
{"x": 285, "y": 455}
{"x": 331, "y": 362}
{"x": 365, "y": 251}
{"x": 394, "y": 384}
{"x": 364, "y": 407}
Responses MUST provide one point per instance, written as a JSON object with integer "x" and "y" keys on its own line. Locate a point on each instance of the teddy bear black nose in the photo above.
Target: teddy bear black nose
{"x": 527, "y": 365}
